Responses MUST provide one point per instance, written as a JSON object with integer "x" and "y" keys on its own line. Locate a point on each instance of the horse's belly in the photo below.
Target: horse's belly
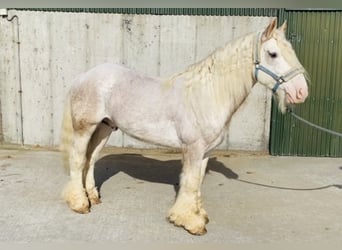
{"x": 145, "y": 110}
{"x": 159, "y": 132}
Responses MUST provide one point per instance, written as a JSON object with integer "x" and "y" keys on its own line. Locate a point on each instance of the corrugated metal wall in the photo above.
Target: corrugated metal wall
{"x": 171, "y": 11}
{"x": 317, "y": 38}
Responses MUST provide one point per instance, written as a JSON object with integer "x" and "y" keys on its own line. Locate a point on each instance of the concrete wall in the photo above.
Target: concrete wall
{"x": 55, "y": 47}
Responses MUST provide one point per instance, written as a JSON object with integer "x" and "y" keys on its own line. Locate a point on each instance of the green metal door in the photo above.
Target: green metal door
{"x": 317, "y": 39}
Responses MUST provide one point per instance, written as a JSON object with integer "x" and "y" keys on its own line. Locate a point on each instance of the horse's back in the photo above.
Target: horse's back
{"x": 104, "y": 72}
{"x": 106, "y": 76}
{"x": 99, "y": 81}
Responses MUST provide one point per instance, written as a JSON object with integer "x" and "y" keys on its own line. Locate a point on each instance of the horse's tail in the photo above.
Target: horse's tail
{"x": 67, "y": 133}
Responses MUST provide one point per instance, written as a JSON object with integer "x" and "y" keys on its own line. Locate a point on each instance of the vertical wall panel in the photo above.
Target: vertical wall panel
{"x": 316, "y": 37}
{"x": 9, "y": 83}
{"x": 177, "y": 40}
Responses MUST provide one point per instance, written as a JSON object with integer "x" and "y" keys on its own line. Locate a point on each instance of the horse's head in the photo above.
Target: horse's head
{"x": 278, "y": 68}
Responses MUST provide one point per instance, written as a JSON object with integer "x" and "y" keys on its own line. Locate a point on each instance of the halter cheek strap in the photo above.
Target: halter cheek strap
{"x": 279, "y": 79}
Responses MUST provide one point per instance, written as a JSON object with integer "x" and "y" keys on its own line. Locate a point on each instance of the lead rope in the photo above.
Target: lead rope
{"x": 289, "y": 110}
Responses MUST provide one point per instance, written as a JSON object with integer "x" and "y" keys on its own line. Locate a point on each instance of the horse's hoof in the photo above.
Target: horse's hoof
{"x": 93, "y": 196}
{"x": 193, "y": 223}
{"x": 206, "y": 219}
{"x": 95, "y": 201}
{"x": 81, "y": 211}
{"x": 76, "y": 198}
{"x": 204, "y": 214}
{"x": 80, "y": 207}
{"x": 197, "y": 231}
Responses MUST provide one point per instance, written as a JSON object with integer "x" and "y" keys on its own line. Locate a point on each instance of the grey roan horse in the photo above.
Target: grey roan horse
{"x": 189, "y": 110}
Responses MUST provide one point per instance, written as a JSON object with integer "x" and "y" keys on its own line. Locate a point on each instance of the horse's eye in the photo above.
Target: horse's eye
{"x": 272, "y": 54}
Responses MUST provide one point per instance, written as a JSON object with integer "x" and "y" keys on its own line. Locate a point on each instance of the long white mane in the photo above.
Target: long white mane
{"x": 223, "y": 79}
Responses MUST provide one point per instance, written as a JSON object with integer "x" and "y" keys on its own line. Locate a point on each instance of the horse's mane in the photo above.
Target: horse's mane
{"x": 223, "y": 76}
{"x": 231, "y": 56}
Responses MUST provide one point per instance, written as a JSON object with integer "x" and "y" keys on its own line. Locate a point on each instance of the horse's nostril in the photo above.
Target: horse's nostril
{"x": 300, "y": 94}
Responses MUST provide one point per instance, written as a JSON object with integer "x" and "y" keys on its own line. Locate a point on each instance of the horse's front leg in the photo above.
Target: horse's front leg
{"x": 203, "y": 171}
{"x": 187, "y": 210}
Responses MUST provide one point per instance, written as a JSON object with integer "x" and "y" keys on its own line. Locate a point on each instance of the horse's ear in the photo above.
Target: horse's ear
{"x": 283, "y": 27}
{"x": 267, "y": 34}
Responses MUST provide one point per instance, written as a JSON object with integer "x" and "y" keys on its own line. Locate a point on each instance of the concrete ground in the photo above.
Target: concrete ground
{"x": 249, "y": 198}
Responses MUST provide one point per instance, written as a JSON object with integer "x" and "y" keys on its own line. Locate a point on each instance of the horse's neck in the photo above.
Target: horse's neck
{"x": 222, "y": 80}
{"x": 235, "y": 69}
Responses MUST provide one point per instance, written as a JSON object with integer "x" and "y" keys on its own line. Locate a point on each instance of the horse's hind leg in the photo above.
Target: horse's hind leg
{"x": 97, "y": 142}
{"x": 74, "y": 193}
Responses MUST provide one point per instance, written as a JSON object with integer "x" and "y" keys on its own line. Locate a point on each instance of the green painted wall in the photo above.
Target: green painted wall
{"x": 317, "y": 38}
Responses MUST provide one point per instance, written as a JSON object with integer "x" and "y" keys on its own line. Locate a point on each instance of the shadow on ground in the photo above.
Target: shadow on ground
{"x": 148, "y": 169}
{"x": 167, "y": 172}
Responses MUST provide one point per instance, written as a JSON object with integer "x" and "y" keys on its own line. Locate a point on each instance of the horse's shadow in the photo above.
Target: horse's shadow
{"x": 167, "y": 172}
{"x": 148, "y": 169}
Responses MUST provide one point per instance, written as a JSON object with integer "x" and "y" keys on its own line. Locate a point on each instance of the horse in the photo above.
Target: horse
{"x": 189, "y": 110}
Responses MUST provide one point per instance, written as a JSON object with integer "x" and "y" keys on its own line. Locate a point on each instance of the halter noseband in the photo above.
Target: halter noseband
{"x": 278, "y": 78}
